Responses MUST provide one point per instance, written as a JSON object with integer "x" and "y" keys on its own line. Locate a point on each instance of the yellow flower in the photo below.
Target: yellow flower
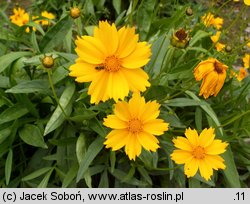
{"x": 248, "y": 44}
{"x": 47, "y": 15}
{"x": 209, "y": 20}
{"x": 242, "y": 74}
{"x": 111, "y": 60}
{"x": 215, "y": 38}
{"x": 236, "y": 0}
{"x": 135, "y": 123}
{"x": 246, "y": 60}
{"x": 20, "y": 17}
{"x": 199, "y": 152}
{"x": 247, "y": 2}
{"x": 213, "y": 74}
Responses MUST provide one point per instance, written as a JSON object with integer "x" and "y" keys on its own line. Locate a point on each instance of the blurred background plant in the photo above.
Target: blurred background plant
{"x": 50, "y": 134}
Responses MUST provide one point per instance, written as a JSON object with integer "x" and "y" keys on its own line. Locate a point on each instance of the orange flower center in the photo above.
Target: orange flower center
{"x": 112, "y": 64}
{"x": 218, "y": 67}
{"x": 134, "y": 125}
{"x": 199, "y": 152}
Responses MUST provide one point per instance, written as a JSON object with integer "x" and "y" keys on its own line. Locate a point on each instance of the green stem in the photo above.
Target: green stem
{"x": 54, "y": 93}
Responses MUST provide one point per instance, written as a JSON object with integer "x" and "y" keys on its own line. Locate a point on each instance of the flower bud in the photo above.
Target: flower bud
{"x": 75, "y": 12}
{"x": 228, "y": 48}
{"x": 48, "y": 61}
{"x": 189, "y": 12}
{"x": 180, "y": 39}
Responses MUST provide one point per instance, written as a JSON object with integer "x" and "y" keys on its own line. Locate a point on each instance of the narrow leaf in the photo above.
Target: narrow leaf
{"x": 91, "y": 153}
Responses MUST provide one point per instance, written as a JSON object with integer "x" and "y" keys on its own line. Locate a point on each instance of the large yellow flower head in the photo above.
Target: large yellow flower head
{"x": 213, "y": 74}
{"x": 199, "y": 152}
{"x": 246, "y": 61}
{"x": 111, "y": 60}
{"x": 20, "y": 17}
{"x": 209, "y": 20}
{"x": 135, "y": 123}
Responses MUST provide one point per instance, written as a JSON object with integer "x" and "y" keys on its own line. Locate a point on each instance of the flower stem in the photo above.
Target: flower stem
{"x": 54, "y": 93}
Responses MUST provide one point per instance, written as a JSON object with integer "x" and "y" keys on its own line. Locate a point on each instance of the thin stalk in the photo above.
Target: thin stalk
{"x": 54, "y": 93}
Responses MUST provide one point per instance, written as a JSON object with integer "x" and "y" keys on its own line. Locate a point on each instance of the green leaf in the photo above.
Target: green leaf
{"x": 104, "y": 181}
{"x": 198, "y": 36}
{"x": 14, "y": 112}
{"x": 37, "y": 85}
{"x": 8, "y": 166}
{"x": 44, "y": 182}
{"x": 97, "y": 127}
{"x": 60, "y": 73}
{"x": 80, "y": 147}
{"x": 85, "y": 115}
{"x": 34, "y": 42}
{"x": 144, "y": 174}
{"x": 144, "y": 17}
{"x": 4, "y": 133}
{"x": 71, "y": 174}
{"x": 32, "y": 135}
{"x": 36, "y": 173}
{"x": 7, "y": 59}
{"x": 91, "y": 153}
{"x": 117, "y": 6}
{"x": 56, "y": 34}
{"x": 182, "y": 102}
{"x": 58, "y": 116}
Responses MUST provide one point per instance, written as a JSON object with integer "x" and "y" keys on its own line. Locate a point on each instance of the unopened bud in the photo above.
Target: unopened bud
{"x": 48, "y": 61}
{"x": 189, "y": 12}
{"x": 228, "y": 48}
{"x": 75, "y": 12}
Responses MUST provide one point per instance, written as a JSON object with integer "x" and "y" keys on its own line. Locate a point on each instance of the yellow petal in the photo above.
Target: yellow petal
{"x": 206, "y": 137}
{"x": 216, "y": 147}
{"x": 215, "y": 161}
{"x": 138, "y": 58}
{"x": 150, "y": 111}
{"x": 137, "y": 79}
{"x": 114, "y": 122}
{"x": 182, "y": 143}
{"x": 108, "y": 35}
{"x": 127, "y": 41}
{"x": 206, "y": 170}
{"x": 116, "y": 139}
{"x": 83, "y": 71}
{"x": 203, "y": 68}
{"x": 122, "y": 111}
{"x": 133, "y": 147}
{"x": 155, "y": 127}
{"x": 220, "y": 83}
{"x": 148, "y": 141}
{"x": 191, "y": 167}
{"x": 192, "y": 136}
{"x": 120, "y": 88}
{"x": 181, "y": 156}
{"x": 136, "y": 104}
{"x": 88, "y": 52}
{"x": 98, "y": 89}
{"x": 208, "y": 84}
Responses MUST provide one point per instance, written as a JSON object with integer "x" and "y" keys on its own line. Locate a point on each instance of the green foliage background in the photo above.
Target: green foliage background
{"x": 43, "y": 146}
